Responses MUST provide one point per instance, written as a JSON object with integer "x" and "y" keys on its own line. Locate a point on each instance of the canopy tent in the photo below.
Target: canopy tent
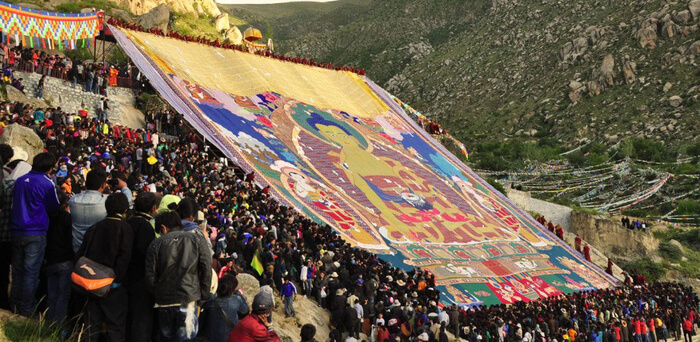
{"x": 48, "y": 30}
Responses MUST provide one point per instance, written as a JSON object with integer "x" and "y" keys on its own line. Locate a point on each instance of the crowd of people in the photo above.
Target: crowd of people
{"x": 92, "y": 77}
{"x": 176, "y": 223}
{"x": 636, "y": 224}
{"x": 238, "y": 219}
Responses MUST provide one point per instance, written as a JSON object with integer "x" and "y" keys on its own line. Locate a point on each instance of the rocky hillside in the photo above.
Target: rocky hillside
{"x": 574, "y": 70}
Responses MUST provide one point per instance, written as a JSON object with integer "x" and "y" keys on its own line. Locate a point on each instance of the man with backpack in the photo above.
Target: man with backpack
{"x": 109, "y": 243}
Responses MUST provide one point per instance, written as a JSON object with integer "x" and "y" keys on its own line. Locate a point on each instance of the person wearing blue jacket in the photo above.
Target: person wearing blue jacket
{"x": 221, "y": 314}
{"x": 289, "y": 293}
{"x": 33, "y": 198}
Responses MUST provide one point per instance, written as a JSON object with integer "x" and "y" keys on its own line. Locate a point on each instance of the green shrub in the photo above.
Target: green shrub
{"x": 694, "y": 150}
{"x": 686, "y": 207}
{"x": 496, "y": 185}
{"x": 146, "y": 102}
{"x": 647, "y": 267}
{"x": 647, "y": 149}
{"x": 670, "y": 251}
{"x": 81, "y": 54}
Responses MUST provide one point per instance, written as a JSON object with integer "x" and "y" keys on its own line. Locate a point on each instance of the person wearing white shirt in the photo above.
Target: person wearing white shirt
{"x": 360, "y": 314}
{"x": 444, "y": 317}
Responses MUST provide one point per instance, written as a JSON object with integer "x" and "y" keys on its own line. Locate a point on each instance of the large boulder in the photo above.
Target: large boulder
{"x": 196, "y": 7}
{"x": 694, "y": 48}
{"x": 209, "y": 7}
{"x": 677, "y": 244}
{"x": 17, "y": 135}
{"x": 675, "y": 101}
{"x": 629, "y": 69}
{"x": 576, "y": 91}
{"x": 249, "y": 286}
{"x": 233, "y": 36}
{"x": 605, "y": 75}
{"x": 221, "y": 22}
{"x": 646, "y": 36}
{"x": 669, "y": 29}
{"x": 156, "y": 18}
{"x": 288, "y": 329}
{"x": 683, "y": 16}
{"x": 121, "y": 15}
{"x": 13, "y": 94}
{"x": 694, "y": 8}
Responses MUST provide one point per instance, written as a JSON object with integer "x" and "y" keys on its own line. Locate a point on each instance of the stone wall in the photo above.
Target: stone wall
{"x": 551, "y": 211}
{"x": 60, "y": 93}
{"x": 613, "y": 239}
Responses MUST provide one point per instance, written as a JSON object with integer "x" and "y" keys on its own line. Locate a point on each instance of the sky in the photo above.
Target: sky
{"x": 238, "y": 2}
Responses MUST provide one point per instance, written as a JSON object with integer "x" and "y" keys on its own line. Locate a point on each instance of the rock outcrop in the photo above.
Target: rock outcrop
{"x": 675, "y": 101}
{"x": 613, "y": 239}
{"x": 288, "y": 328}
{"x": 233, "y": 36}
{"x": 13, "y": 94}
{"x": 20, "y": 136}
{"x": 646, "y": 36}
{"x": 694, "y": 8}
{"x": 158, "y": 17}
{"x": 197, "y": 7}
{"x": 221, "y": 22}
{"x": 606, "y": 73}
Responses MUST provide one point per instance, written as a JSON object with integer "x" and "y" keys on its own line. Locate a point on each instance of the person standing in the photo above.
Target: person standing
{"x": 687, "y": 330}
{"x": 109, "y": 243}
{"x": 140, "y": 316}
{"x": 34, "y": 196}
{"x": 59, "y": 261}
{"x": 88, "y": 207}
{"x": 40, "y": 87}
{"x": 289, "y": 293}
{"x": 89, "y": 79}
{"x": 222, "y": 312}
{"x": 105, "y": 109}
{"x": 6, "y": 155}
{"x": 178, "y": 273}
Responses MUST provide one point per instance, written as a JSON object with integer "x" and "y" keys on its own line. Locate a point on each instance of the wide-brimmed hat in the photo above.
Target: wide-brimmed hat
{"x": 400, "y": 282}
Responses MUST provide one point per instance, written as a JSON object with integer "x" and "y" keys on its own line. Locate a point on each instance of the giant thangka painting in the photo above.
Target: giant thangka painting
{"x": 333, "y": 145}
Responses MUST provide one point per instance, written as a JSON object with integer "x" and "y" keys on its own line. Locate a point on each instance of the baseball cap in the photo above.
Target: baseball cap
{"x": 262, "y": 303}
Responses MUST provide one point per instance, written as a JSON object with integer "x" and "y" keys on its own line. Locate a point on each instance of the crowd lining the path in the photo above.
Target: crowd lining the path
{"x": 176, "y": 223}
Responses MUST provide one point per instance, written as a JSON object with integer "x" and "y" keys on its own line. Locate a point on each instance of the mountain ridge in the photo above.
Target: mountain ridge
{"x": 498, "y": 70}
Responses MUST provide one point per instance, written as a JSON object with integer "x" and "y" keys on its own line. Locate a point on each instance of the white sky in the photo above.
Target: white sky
{"x": 238, "y": 2}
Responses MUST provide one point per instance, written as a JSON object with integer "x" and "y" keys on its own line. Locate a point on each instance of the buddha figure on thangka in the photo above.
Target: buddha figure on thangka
{"x": 384, "y": 187}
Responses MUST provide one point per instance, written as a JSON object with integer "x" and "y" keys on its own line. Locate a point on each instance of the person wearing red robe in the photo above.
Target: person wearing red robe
{"x": 577, "y": 243}
{"x": 113, "y": 76}
{"x": 609, "y": 269}
{"x": 560, "y": 233}
{"x": 587, "y": 253}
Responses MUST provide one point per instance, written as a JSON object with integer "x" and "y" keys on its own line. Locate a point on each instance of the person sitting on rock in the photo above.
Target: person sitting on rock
{"x": 255, "y": 327}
